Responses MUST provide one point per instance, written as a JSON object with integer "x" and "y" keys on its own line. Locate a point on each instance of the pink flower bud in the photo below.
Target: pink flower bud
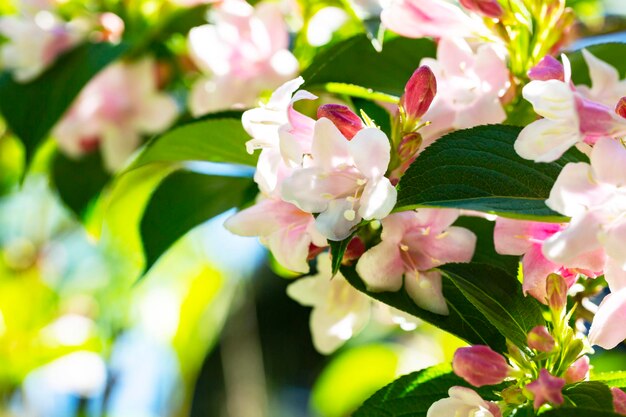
{"x": 540, "y": 339}
{"x": 556, "y": 292}
{"x": 355, "y": 249}
{"x": 578, "y": 371}
{"x": 549, "y": 68}
{"x": 489, "y": 8}
{"x": 345, "y": 119}
{"x": 620, "y": 109}
{"x": 479, "y": 365}
{"x": 419, "y": 93}
{"x": 619, "y": 401}
{"x": 546, "y": 389}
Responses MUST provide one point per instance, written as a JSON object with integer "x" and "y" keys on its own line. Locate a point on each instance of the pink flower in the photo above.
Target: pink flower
{"x": 286, "y": 230}
{"x": 488, "y": 8}
{"x": 344, "y": 181}
{"x": 540, "y": 339}
{"x": 113, "y": 111}
{"x": 480, "y": 365}
{"x": 619, "y": 401}
{"x": 549, "y": 68}
{"x": 245, "y": 52}
{"x": 520, "y": 237}
{"x": 339, "y": 310}
{"x": 469, "y": 86}
{"x": 35, "y": 42}
{"x": 345, "y": 119}
{"x": 419, "y": 93}
{"x": 606, "y": 86}
{"x": 463, "y": 402}
{"x": 431, "y": 18}
{"x": 578, "y": 371}
{"x": 546, "y": 389}
{"x": 413, "y": 243}
{"x": 607, "y": 329}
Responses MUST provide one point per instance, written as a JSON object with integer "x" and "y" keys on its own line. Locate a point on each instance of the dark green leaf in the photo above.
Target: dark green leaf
{"x": 337, "y": 249}
{"x": 413, "y": 394}
{"x": 32, "y": 109}
{"x": 355, "y": 61}
{"x": 79, "y": 181}
{"x": 578, "y": 412}
{"x": 213, "y": 138}
{"x": 478, "y": 169}
{"x": 464, "y": 320}
{"x": 498, "y": 296}
{"x": 594, "y": 395}
{"x": 185, "y": 200}
{"x": 612, "y": 53}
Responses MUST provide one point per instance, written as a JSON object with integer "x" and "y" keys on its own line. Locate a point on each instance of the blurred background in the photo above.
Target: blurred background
{"x": 209, "y": 331}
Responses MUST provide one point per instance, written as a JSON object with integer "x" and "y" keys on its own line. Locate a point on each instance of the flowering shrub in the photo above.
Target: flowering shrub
{"x": 465, "y": 166}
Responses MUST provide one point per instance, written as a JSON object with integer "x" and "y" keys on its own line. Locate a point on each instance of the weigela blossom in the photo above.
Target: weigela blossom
{"x": 570, "y": 114}
{"x": 463, "y": 402}
{"x": 34, "y": 42}
{"x": 286, "y": 230}
{"x": 480, "y": 365}
{"x": 344, "y": 181}
{"x": 339, "y": 310}
{"x": 244, "y": 53}
{"x": 469, "y": 86}
{"x": 619, "y": 401}
{"x": 546, "y": 389}
{"x": 520, "y": 237}
{"x": 113, "y": 111}
{"x": 413, "y": 243}
{"x": 578, "y": 371}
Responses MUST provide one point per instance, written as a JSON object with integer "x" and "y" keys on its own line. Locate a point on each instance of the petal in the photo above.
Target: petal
{"x": 330, "y": 148}
{"x": 613, "y": 240}
{"x": 456, "y": 244}
{"x": 381, "y": 267}
{"x": 313, "y": 191}
{"x": 281, "y": 97}
{"x": 512, "y": 237}
{"x": 290, "y": 247}
{"x": 436, "y": 220}
{"x": 604, "y": 78}
{"x": 615, "y": 275}
{"x": 156, "y": 113}
{"x": 546, "y": 140}
{"x": 552, "y": 99}
{"x": 580, "y": 237}
{"x": 424, "y": 288}
{"x": 608, "y": 159}
{"x": 536, "y": 269}
{"x": 370, "y": 150}
{"x": 575, "y": 190}
{"x": 333, "y": 222}
{"x": 255, "y": 220}
{"x": 395, "y": 225}
{"x": 607, "y": 329}
{"x": 378, "y": 199}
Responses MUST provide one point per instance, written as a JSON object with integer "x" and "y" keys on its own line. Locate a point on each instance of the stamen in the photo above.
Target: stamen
{"x": 349, "y": 215}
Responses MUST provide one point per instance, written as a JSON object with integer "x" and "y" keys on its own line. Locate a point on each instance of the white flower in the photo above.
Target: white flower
{"x": 344, "y": 182}
{"x": 463, "y": 402}
{"x": 339, "y": 310}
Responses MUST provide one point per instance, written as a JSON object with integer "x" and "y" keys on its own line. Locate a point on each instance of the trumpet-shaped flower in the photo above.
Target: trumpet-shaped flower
{"x": 606, "y": 86}
{"x": 339, "y": 310}
{"x": 113, "y": 111}
{"x": 569, "y": 116}
{"x": 519, "y": 237}
{"x": 244, "y": 53}
{"x": 463, "y": 402}
{"x": 345, "y": 180}
{"x": 412, "y": 243}
{"x": 607, "y": 329}
{"x": 469, "y": 87}
{"x": 546, "y": 389}
{"x": 286, "y": 230}
{"x": 34, "y": 42}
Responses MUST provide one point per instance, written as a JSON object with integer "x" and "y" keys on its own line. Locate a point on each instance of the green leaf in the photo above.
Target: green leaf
{"x": 498, "y": 296}
{"x": 612, "y": 53}
{"x": 32, "y": 109}
{"x": 213, "y": 138}
{"x": 612, "y": 379}
{"x": 337, "y": 249}
{"x": 464, "y": 320}
{"x": 578, "y": 412}
{"x": 413, "y": 394}
{"x": 595, "y": 395}
{"x": 79, "y": 181}
{"x": 356, "y": 62}
{"x": 478, "y": 169}
{"x": 184, "y": 200}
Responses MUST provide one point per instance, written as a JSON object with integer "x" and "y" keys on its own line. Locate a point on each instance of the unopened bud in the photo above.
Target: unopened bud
{"x": 488, "y": 8}
{"x": 549, "y": 68}
{"x": 578, "y": 371}
{"x": 620, "y": 109}
{"x": 345, "y": 119}
{"x": 314, "y": 251}
{"x": 355, "y": 249}
{"x": 619, "y": 401}
{"x": 513, "y": 395}
{"x": 556, "y": 291}
{"x": 540, "y": 339}
{"x": 419, "y": 93}
{"x": 546, "y": 389}
{"x": 479, "y": 365}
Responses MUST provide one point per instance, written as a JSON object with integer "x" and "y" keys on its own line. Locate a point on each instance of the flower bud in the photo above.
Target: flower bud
{"x": 513, "y": 395}
{"x": 578, "y": 371}
{"x": 488, "y": 8}
{"x": 345, "y": 119}
{"x": 540, "y": 339}
{"x": 546, "y": 389}
{"x": 549, "y": 68}
{"x": 620, "y": 109}
{"x": 355, "y": 249}
{"x": 409, "y": 145}
{"x": 479, "y": 365}
{"x": 419, "y": 93}
{"x": 619, "y": 401}
{"x": 556, "y": 291}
